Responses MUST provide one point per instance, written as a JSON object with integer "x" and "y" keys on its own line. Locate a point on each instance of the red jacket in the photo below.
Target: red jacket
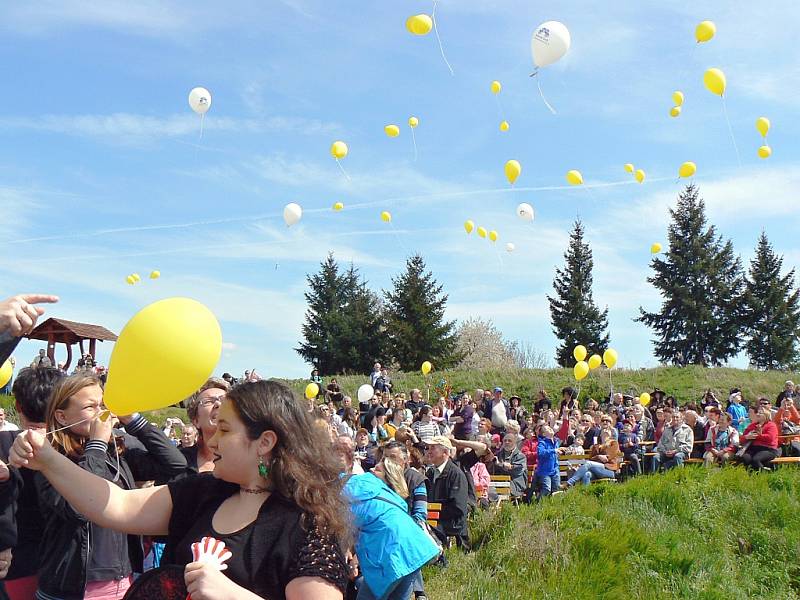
{"x": 767, "y": 434}
{"x": 530, "y": 449}
{"x": 784, "y": 414}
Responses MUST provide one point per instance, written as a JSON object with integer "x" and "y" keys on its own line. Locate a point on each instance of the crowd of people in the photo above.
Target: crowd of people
{"x": 325, "y": 498}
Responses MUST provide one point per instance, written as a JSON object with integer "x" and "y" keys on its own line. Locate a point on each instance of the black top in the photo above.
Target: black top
{"x": 280, "y": 545}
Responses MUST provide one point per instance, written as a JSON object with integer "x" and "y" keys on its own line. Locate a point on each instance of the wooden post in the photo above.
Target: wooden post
{"x": 92, "y": 344}
{"x": 69, "y": 357}
{"x": 51, "y": 347}
{"x": 80, "y": 343}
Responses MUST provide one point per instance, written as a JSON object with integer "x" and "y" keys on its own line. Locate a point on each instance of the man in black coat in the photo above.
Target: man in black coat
{"x": 447, "y": 485}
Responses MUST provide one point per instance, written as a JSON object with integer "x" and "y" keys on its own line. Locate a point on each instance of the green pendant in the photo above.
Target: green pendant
{"x": 263, "y": 471}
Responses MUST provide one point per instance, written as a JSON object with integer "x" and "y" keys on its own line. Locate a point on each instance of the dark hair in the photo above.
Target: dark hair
{"x": 569, "y": 390}
{"x": 32, "y": 389}
{"x": 303, "y": 467}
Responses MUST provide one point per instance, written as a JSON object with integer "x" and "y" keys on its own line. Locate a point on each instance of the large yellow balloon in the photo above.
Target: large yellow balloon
{"x": 764, "y": 152}
{"x": 504, "y": 125}
{"x": 574, "y": 177}
{"x": 687, "y": 169}
{"x": 675, "y": 111}
{"x": 762, "y": 124}
{"x": 6, "y": 371}
{"x": 580, "y": 370}
{"x": 178, "y": 336}
{"x": 413, "y": 122}
{"x": 392, "y": 130}
{"x": 493, "y": 235}
{"x": 715, "y": 82}
{"x": 339, "y": 150}
{"x": 386, "y": 216}
{"x": 482, "y": 232}
{"x": 579, "y": 352}
{"x": 513, "y": 170}
{"x": 337, "y": 206}
{"x": 655, "y": 248}
{"x": 426, "y": 367}
{"x": 610, "y": 358}
{"x": 419, "y": 24}
{"x": 469, "y": 226}
{"x": 677, "y": 98}
{"x": 629, "y": 167}
{"x": 595, "y": 361}
{"x": 705, "y": 31}
{"x": 496, "y": 87}
{"x": 640, "y": 175}
{"x": 312, "y": 391}
{"x": 644, "y": 399}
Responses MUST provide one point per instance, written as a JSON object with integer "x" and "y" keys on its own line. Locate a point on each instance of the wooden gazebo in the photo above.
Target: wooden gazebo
{"x": 60, "y": 331}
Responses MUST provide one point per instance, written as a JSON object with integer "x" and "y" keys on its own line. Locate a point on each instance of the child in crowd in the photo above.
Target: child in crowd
{"x": 364, "y": 450}
{"x": 629, "y": 444}
{"x": 546, "y": 475}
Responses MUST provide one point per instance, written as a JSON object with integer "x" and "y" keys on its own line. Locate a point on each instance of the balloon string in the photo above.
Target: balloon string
{"x": 436, "y": 31}
{"x": 116, "y": 452}
{"x": 499, "y": 108}
{"x": 399, "y": 239}
{"x": 499, "y": 258}
{"x": 342, "y": 168}
{"x": 202, "y": 119}
{"x": 541, "y": 93}
{"x": 730, "y": 130}
{"x": 414, "y": 140}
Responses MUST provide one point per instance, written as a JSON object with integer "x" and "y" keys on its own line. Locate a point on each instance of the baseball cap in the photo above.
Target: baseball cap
{"x": 440, "y": 440}
{"x": 498, "y": 389}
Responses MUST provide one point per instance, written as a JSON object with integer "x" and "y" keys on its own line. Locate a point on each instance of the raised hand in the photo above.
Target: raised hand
{"x": 31, "y": 449}
{"x": 18, "y": 314}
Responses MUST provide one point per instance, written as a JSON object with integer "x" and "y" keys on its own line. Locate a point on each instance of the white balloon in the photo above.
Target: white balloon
{"x": 365, "y": 393}
{"x": 510, "y": 247}
{"x": 549, "y": 43}
{"x": 200, "y": 100}
{"x": 525, "y": 212}
{"x": 292, "y": 213}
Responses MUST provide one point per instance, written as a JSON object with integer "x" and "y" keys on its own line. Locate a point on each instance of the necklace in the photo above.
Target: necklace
{"x": 253, "y": 490}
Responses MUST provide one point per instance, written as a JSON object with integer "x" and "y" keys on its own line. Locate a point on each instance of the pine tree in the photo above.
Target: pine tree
{"x": 700, "y": 278}
{"x": 363, "y": 340}
{"x": 415, "y": 320}
{"x": 772, "y": 309}
{"x": 574, "y": 315}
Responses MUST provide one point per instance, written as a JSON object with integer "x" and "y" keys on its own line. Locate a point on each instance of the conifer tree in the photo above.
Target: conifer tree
{"x": 575, "y": 317}
{"x": 415, "y": 320}
{"x": 700, "y": 279}
{"x": 772, "y": 307}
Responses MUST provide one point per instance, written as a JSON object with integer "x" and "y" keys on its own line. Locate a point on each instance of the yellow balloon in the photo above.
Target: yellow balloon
{"x": 765, "y": 151}
{"x": 419, "y": 24}
{"x": 762, "y": 124}
{"x": 413, "y": 122}
{"x": 677, "y": 98}
{"x": 312, "y": 391}
{"x": 705, "y": 31}
{"x": 513, "y": 170}
{"x": 629, "y": 167}
{"x": 6, "y": 371}
{"x": 339, "y": 150}
{"x": 715, "y": 82}
{"x": 504, "y": 125}
{"x": 392, "y": 130}
{"x": 136, "y": 277}
{"x": 130, "y": 280}
{"x": 496, "y": 87}
{"x": 655, "y": 248}
{"x": 675, "y": 111}
{"x": 178, "y": 336}
{"x": 469, "y": 226}
{"x": 338, "y": 206}
{"x": 644, "y": 399}
{"x": 493, "y": 235}
{"x": 610, "y": 358}
{"x": 580, "y": 370}
{"x": 426, "y": 367}
{"x": 574, "y": 177}
{"x": 595, "y": 361}
{"x": 687, "y": 169}
{"x": 482, "y": 232}
{"x": 579, "y": 352}
{"x": 640, "y": 175}
{"x": 155, "y": 274}
{"x": 386, "y": 216}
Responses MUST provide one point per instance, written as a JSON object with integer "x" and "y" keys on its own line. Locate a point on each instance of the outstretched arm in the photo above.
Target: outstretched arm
{"x": 144, "y": 512}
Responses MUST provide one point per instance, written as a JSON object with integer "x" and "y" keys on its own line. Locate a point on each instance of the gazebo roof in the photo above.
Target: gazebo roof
{"x": 70, "y": 332}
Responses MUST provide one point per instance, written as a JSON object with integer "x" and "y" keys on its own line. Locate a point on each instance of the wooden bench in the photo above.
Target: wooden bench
{"x": 502, "y": 486}
{"x": 434, "y": 508}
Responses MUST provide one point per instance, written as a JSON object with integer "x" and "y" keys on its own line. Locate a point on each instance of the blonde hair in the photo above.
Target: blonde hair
{"x": 395, "y": 477}
{"x": 65, "y": 441}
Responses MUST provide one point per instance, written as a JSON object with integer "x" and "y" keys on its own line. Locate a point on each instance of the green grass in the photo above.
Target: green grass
{"x": 694, "y": 534}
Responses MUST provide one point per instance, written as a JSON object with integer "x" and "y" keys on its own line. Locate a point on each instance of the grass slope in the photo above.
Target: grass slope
{"x": 722, "y": 534}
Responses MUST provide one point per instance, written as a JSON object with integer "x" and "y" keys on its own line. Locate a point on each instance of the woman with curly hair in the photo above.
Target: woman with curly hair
{"x": 274, "y": 497}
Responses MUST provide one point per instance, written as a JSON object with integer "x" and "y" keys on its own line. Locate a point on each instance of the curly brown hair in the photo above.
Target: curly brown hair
{"x": 303, "y": 466}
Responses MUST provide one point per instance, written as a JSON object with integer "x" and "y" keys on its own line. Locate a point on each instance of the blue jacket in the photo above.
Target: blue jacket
{"x": 547, "y": 457}
{"x": 738, "y": 414}
{"x": 389, "y": 543}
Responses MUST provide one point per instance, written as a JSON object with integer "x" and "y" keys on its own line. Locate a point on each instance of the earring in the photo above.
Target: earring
{"x": 263, "y": 470}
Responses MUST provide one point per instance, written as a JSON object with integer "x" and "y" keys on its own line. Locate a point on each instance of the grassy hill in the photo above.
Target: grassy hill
{"x": 694, "y": 534}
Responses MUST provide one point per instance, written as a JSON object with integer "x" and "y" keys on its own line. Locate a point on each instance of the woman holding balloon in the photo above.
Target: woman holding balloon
{"x": 274, "y": 497}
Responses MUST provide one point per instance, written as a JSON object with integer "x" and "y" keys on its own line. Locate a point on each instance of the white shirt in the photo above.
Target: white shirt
{"x": 8, "y": 426}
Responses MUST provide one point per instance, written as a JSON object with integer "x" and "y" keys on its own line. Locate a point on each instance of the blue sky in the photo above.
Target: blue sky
{"x": 103, "y": 173}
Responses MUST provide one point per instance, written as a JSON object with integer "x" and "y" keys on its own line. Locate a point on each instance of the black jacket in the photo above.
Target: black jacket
{"x": 450, "y": 489}
{"x": 76, "y": 549}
